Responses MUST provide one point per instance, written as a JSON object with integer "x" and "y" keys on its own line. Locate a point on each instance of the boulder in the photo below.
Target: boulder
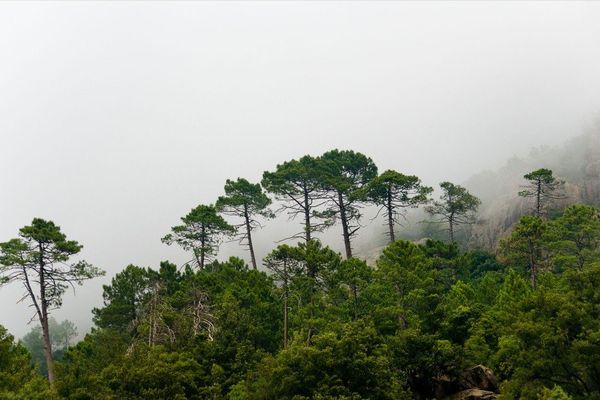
{"x": 479, "y": 377}
{"x": 477, "y": 382}
{"x": 474, "y": 394}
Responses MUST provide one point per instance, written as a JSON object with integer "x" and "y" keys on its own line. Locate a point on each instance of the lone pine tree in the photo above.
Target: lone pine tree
{"x": 543, "y": 187}
{"x": 39, "y": 260}
{"x": 343, "y": 175}
{"x": 296, "y": 185}
{"x": 247, "y": 201}
{"x": 456, "y": 207}
{"x": 393, "y": 192}
{"x": 201, "y": 233}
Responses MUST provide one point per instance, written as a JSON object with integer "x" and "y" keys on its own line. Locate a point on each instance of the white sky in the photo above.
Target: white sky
{"x": 117, "y": 118}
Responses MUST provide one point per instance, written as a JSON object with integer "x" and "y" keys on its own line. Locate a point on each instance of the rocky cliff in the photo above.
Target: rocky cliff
{"x": 577, "y": 163}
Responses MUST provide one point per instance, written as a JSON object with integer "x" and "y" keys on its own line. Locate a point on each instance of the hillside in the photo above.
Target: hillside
{"x": 577, "y": 162}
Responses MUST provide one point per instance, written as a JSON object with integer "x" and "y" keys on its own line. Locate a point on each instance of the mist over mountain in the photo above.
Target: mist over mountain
{"x": 117, "y": 118}
{"x": 166, "y": 167}
{"x": 576, "y": 162}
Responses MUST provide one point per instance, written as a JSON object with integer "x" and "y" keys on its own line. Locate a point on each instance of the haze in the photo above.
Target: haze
{"x": 117, "y": 118}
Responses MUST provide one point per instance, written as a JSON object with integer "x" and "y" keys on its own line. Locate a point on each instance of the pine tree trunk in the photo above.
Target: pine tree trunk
{"x": 202, "y": 248}
{"x": 355, "y": 298}
{"x": 196, "y": 257}
{"x": 285, "y": 305}
{"x": 390, "y": 210}
{"x": 47, "y": 346}
{"x": 345, "y": 229}
{"x": 44, "y": 319}
{"x": 306, "y": 216}
{"x": 538, "y": 206}
{"x": 249, "y": 233}
{"x": 532, "y": 266}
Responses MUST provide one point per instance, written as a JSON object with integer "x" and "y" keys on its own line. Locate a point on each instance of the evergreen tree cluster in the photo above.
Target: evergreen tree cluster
{"x": 313, "y": 324}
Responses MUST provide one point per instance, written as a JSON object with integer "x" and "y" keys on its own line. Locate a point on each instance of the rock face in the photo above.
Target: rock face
{"x": 478, "y": 382}
{"x": 577, "y": 163}
{"x": 480, "y": 377}
{"x": 474, "y": 394}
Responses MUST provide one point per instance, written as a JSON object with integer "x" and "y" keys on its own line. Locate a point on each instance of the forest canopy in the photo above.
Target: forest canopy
{"x": 434, "y": 318}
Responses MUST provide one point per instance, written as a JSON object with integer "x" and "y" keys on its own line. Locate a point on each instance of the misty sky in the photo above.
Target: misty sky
{"x": 117, "y": 118}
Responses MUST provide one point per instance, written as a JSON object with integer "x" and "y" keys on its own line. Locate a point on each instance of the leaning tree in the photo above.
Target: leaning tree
{"x": 247, "y": 201}
{"x": 393, "y": 192}
{"x": 202, "y": 231}
{"x": 39, "y": 260}
{"x": 343, "y": 175}
{"x": 543, "y": 187}
{"x": 456, "y": 207}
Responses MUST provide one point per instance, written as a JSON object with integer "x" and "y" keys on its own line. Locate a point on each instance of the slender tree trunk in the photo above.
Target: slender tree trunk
{"x": 345, "y": 229}
{"x": 44, "y": 319}
{"x": 203, "y": 247}
{"x": 390, "y": 216}
{"x": 532, "y": 266}
{"x": 196, "y": 256}
{"x": 47, "y": 346}
{"x": 249, "y": 233}
{"x": 355, "y": 296}
{"x": 312, "y": 268}
{"x": 538, "y": 206}
{"x": 153, "y": 331}
{"x": 306, "y": 216}
{"x": 285, "y": 306}
{"x": 451, "y": 223}
{"x": 285, "y": 322}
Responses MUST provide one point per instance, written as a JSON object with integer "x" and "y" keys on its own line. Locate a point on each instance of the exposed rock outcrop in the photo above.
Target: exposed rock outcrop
{"x": 480, "y": 377}
{"x": 474, "y": 394}
{"x": 478, "y": 382}
{"x": 577, "y": 163}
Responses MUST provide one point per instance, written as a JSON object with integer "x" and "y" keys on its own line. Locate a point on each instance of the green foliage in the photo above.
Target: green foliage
{"x": 344, "y": 171}
{"x": 296, "y": 185}
{"x": 569, "y": 241}
{"x": 393, "y": 192}
{"x": 43, "y": 249}
{"x": 309, "y": 285}
{"x": 245, "y": 200}
{"x": 456, "y": 207}
{"x": 343, "y": 176}
{"x": 192, "y": 328}
{"x": 18, "y": 379}
{"x": 534, "y": 339}
{"x": 350, "y": 364}
{"x": 542, "y": 186}
{"x": 407, "y": 300}
{"x": 39, "y": 260}
{"x": 154, "y": 374}
{"x": 556, "y": 393}
{"x": 317, "y": 326}
{"x": 201, "y": 233}
{"x": 525, "y": 247}
{"x": 123, "y": 299}
{"x": 347, "y": 285}
{"x": 243, "y": 197}
{"x": 542, "y": 175}
{"x": 80, "y": 370}
{"x": 574, "y": 237}
{"x": 61, "y": 336}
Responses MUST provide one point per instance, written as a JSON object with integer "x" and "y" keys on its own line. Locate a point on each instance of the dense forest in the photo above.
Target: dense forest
{"x": 433, "y": 318}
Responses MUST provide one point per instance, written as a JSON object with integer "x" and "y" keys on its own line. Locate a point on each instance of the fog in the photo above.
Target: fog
{"x": 117, "y": 118}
